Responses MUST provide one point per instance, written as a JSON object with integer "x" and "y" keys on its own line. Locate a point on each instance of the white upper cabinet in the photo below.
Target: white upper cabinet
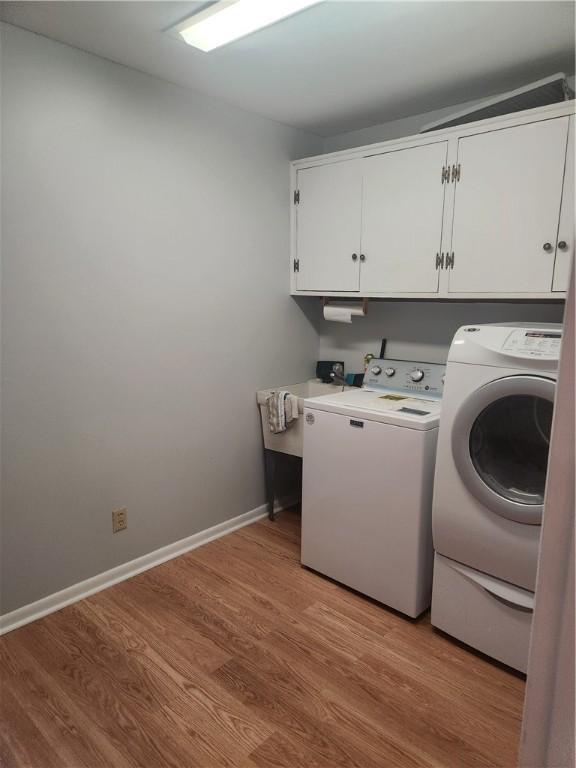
{"x": 507, "y": 207}
{"x": 402, "y": 205}
{"x": 328, "y": 226}
{"x": 476, "y": 211}
{"x": 565, "y": 242}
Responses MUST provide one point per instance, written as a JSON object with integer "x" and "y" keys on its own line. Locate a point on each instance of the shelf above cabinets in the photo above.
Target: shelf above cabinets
{"x": 484, "y": 210}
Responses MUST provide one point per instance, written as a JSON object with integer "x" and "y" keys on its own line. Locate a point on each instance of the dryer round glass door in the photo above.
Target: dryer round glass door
{"x": 500, "y": 444}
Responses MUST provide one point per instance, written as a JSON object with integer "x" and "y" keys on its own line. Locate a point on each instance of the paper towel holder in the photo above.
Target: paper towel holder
{"x": 326, "y": 302}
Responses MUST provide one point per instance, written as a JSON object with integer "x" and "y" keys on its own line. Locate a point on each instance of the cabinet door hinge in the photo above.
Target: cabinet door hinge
{"x": 296, "y": 265}
{"x": 456, "y": 172}
{"x": 296, "y": 196}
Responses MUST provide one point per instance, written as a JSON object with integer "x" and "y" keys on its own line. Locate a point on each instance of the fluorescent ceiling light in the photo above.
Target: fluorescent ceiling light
{"x": 228, "y": 20}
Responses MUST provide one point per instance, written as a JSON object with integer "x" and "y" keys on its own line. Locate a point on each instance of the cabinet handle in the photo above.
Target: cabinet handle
{"x": 563, "y": 245}
{"x": 439, "y": 261}
{"x": 362, "y": 257}
{"x": 354, "y": 256}
{"x": 547, "y": 247}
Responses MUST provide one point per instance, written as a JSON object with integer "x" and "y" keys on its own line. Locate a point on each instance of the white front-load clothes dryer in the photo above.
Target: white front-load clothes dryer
{"x": 489, "y": 483}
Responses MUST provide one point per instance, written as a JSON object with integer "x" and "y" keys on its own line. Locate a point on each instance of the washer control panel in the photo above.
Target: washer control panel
{"x": 532, "y": 342}
{"x": 424, "y": 379}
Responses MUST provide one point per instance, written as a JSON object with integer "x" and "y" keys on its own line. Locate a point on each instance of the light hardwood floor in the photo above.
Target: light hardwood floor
{"x": 234, "y": 655}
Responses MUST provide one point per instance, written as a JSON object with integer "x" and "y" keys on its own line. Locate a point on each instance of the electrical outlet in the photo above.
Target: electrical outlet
{"x": 119, "y": 520}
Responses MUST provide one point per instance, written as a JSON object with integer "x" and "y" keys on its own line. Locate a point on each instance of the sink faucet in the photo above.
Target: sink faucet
{"x": 337, "y": 374}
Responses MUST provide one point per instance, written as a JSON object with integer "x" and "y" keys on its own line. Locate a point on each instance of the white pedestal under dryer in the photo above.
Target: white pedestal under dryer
{"x": 489, "y": 484}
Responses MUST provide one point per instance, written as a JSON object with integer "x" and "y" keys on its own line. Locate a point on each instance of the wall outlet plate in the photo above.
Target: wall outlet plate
{"x": 119, "y": 520}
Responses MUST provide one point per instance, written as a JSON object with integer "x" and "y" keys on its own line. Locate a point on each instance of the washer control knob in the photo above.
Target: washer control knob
{"x": 376, "y": 370}
{"x": 417, "y": 375}
{"x": 390, "y": 372}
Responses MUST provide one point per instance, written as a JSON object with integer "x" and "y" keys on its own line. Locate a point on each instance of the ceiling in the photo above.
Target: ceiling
{"x": 339, "y": 66}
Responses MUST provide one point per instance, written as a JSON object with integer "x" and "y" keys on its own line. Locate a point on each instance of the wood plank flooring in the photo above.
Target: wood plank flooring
{"x": 233, "y": 655}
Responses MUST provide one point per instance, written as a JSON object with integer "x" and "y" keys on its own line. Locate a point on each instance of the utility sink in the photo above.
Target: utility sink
{"x": 291, "y": 440}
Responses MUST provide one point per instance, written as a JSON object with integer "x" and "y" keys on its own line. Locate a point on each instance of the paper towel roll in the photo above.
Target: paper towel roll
{"x": 338, "y": 314}
{"x": 342, "y": 313}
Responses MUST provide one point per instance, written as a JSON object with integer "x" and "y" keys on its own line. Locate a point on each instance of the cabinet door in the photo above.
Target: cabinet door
{"x": 565, "y": 243}
{"x": 506, "y": 209}
{"x": 403, "y": 202}
{"x": 328, "y": 218}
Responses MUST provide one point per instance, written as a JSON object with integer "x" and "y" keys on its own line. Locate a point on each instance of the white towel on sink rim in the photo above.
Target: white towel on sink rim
{"x": 282, "y": 409}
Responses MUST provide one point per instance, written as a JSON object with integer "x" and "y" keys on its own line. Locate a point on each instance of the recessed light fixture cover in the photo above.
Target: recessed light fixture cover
{"x": 228, "y": 20}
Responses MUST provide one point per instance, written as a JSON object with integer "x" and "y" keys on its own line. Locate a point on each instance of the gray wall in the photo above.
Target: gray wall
{"x": 418, "y": 330}
{"x": 396, "y": 129}
{"x": 145, "y": 299}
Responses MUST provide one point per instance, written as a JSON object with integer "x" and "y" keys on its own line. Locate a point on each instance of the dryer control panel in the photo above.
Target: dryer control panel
{"x": 533, "y": 342}
{"x": 406, "y": 377}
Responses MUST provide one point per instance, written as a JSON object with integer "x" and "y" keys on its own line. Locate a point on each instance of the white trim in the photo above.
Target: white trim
{"x": 76, "y": 592}
{"x": 547, "y": 737}
{"x": 558, "y": 296}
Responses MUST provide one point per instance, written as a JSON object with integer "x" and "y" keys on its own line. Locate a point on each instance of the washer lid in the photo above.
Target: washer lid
{"x": 500, "y": 444}
{"x": 386, "y": 407}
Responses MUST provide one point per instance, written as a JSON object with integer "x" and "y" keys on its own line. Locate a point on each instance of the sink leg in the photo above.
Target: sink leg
{"x": 270, "y": 476}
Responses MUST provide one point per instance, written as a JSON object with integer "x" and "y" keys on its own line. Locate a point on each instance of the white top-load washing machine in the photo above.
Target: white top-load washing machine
{"x": 489, "y": 484}
{"x": 367, "y": 483}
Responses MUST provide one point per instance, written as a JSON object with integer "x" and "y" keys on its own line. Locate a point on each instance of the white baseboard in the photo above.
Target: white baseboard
{"x": 58, "y": 600}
